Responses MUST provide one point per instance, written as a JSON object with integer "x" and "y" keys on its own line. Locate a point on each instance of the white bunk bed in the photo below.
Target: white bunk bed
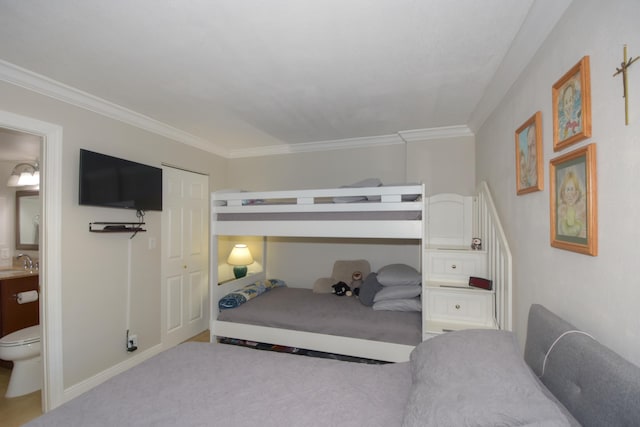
{"x": 394, "y": 212}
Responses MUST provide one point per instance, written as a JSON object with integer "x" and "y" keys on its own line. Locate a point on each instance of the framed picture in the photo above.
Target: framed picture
{"x": 529, "y": 173}
{"x": 572, "y": 106}
{"x": 574, "y": 216}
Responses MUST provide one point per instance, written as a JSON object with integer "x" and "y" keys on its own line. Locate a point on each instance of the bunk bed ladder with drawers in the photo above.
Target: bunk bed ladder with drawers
{"x": 465, "y": 240}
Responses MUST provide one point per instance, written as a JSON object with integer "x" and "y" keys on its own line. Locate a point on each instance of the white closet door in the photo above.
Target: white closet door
{"x": 185, "y": 253}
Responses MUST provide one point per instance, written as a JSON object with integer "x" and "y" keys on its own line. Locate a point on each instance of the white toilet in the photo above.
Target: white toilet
{"x": 23, "y": 349}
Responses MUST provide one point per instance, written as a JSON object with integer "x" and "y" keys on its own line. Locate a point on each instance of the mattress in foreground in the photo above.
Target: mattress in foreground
{"x": 202, "y": 384}
{"x": 303, "y": 310}
{"x": 466, "y": 378}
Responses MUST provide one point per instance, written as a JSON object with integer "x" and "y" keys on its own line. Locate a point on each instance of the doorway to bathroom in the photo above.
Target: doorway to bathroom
{"x": 50, "y": 231}
{"x": 20, "y": 152}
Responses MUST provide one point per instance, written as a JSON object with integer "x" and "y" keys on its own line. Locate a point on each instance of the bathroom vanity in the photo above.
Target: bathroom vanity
{"x": 14, "y": 316}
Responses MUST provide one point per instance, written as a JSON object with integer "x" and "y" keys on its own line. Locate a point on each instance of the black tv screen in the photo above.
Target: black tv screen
{"x": 118, "y": 183}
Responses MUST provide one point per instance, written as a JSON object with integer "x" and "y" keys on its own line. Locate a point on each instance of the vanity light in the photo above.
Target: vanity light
{"x": 240, "y": 257}
{"x": 24, "y": 174}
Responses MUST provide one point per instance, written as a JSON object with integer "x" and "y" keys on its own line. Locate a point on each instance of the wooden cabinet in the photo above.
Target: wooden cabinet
{"x": 448, "y": 302}
{"x": 451, "y": 308}
{"x": 14, "y": 316}
{"x": 455, "y": 265}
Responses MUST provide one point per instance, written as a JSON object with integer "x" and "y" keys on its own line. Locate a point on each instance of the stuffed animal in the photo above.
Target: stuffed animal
{"x": 343, "y": 271}
{"x": 356, "y": 281}
{"x": 476, "y": 243}
{"x": 341, "y": 289}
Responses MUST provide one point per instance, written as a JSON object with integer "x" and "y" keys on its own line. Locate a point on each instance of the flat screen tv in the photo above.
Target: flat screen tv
{"x": 118, "y": 183}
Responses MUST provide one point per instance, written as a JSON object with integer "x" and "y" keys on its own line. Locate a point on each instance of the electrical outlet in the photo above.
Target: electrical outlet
{"x": 132, "y": 342}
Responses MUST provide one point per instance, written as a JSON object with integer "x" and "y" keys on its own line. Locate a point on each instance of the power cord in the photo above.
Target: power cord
{"x": 140, "y": 216}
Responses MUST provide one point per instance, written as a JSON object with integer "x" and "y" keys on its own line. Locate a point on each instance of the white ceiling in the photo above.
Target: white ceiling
{"x": 255, "y": 74}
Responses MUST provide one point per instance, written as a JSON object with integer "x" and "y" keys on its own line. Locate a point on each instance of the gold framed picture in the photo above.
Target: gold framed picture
{"x": 529, "y": 169}
{"x": 572, "y": 106}
{"x": 574, "y": 214}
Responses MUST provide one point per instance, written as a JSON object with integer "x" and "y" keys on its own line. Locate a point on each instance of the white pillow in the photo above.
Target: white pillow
{"x": 398, "y": 292}
{"x": 369, "y": 182}
{"x": 399, "y": 274}
{"x": 410, "y": 304}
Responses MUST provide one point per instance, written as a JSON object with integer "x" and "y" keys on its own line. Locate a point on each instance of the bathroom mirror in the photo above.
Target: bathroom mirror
{"x": 27, "y": 220}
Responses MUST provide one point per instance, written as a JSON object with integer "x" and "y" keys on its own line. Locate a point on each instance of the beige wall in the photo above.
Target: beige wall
{"x": 445, "y": 165}
{"x": 323, "y": 169}
{"x": 599, "y": 294}
{"x": 94, "y": 266}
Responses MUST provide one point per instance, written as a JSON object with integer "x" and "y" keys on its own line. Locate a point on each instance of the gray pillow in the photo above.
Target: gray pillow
{"x": 399, "y": 274}
{"x": 408, "y": 304}
{"x": 476, "y": 378}
{"x": 369, "y": 182}
{"x": 398, "y": 292}
{"x": 369, "y": 289}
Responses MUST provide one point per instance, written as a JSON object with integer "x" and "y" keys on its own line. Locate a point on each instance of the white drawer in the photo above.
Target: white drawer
{"x": 459, "y": 306}
{"x": 455, "y": 266}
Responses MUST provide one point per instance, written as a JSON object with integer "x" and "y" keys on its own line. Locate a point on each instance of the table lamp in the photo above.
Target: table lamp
{"x": 240, "y": 257}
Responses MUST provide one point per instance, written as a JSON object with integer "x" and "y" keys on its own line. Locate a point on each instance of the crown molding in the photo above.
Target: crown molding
{"x": 418, "y": 135}
{"x": 27, "y": 79}
{"x": 402, "y": 137}
{"x": 309, "y": 147}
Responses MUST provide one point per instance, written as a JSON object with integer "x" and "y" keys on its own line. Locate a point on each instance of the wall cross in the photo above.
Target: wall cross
{"x": 624, "y": 65}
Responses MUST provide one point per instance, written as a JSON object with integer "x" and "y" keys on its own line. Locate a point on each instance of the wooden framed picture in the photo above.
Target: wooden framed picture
{"x": 574, "y": 215}
{"x": 572, "y": 106}
{"x": 529, "y": 173}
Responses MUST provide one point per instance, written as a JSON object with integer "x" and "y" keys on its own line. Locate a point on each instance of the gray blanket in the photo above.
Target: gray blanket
{"x": 467, "y": 378}
{"x": 304, "y": 310}
{"x": 202, "y": 384}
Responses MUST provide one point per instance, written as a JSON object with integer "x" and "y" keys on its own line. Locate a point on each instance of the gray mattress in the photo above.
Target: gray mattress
{"x": 202, "y": 384}
{"x": 304, "y": 310}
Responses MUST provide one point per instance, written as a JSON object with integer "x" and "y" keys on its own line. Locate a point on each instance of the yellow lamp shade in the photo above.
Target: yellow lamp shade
{"x": 240, "y": 257}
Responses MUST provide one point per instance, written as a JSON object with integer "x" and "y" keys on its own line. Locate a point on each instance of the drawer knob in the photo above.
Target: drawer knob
{"x": 457, "y": 306}
{"x": 453, "y": 266}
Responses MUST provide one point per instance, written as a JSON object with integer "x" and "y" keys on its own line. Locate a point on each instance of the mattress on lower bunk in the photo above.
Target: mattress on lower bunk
{"x": 303, "y": 310}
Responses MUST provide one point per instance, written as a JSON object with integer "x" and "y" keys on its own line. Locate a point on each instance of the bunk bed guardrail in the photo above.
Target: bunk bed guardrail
{"x": 392, "y": 197}
{"x": 385, "y": 212}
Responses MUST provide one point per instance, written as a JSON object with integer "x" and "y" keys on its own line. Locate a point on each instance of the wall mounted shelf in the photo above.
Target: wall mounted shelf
{"x": 116, "y": 227}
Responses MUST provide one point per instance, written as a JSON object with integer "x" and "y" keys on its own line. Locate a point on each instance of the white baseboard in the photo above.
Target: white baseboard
{"x": 86, "y": 385}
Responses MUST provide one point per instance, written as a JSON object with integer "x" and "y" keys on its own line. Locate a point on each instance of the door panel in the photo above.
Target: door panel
{"x": 185, "y": 255}
{"x": 174, "y": 303}
{"x": 196, "y": 295}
